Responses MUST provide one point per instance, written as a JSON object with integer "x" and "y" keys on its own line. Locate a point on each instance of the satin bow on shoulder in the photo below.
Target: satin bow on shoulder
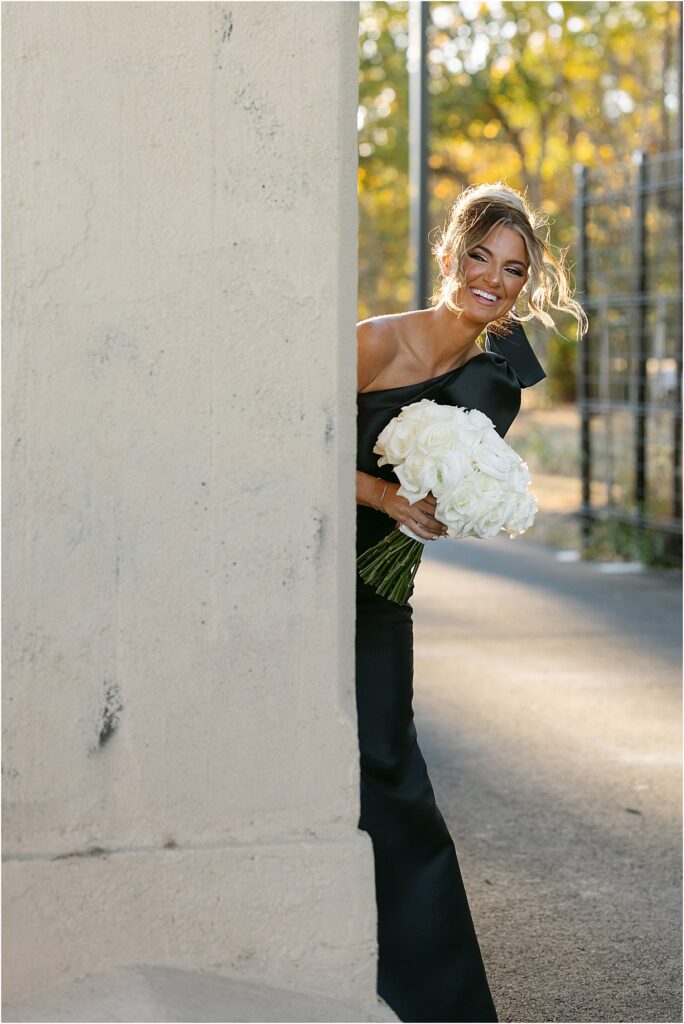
{"x": 518, "y": 353}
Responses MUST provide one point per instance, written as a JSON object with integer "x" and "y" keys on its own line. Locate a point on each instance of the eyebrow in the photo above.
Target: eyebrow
{"x": 490, "y": 253}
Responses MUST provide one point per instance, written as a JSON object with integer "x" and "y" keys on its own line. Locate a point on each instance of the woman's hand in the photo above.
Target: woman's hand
{"x": 419, "y": 517}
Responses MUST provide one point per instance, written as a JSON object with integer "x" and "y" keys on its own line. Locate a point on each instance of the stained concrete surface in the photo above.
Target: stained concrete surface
{"x": 548, "y": 708}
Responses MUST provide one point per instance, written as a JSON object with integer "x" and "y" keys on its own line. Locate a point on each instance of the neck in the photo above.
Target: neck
{"x": 452, "y": 332}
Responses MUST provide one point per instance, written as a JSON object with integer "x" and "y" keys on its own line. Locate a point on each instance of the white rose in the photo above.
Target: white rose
{"x": 491, "y": 525}
{"x": 493, "y": 502}
{"x": 460, "y": 506}
{"x": 473, "y": 428}
{"x": 396, "y": 441}
{"x": 417, "y": 475}
{"x": 452, "y": 469}
{"x": 425, "y": 411}
{"x": 520, "y": 476}
{"x": 436, "y": 438}
{"x": 493, "y": 519}
{"x": 459, "y": 527}
{"x": 493, "y": 461}
{"x": 522, "y": 515}
{"x": 496, "y": 441}
{"x": 484, "y": 505}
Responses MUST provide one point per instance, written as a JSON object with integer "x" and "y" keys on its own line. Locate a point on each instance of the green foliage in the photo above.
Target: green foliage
{"x": 384, "y": 272}
{"x": 520, "y": 91}
{"x": 611, "y": 540}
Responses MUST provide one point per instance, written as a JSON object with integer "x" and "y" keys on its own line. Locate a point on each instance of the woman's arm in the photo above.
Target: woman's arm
{"x": 375, "y": 350}
{"x": 369, "y": 489}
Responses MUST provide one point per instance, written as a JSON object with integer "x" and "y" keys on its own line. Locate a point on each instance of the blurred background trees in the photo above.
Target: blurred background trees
{"x": 519, "y": 91}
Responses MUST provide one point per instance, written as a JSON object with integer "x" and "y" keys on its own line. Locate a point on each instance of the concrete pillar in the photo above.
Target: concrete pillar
{"x": 181, "y": 773}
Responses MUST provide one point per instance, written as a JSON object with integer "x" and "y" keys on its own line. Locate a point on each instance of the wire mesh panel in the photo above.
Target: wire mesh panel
{"x": 629, "y": 227}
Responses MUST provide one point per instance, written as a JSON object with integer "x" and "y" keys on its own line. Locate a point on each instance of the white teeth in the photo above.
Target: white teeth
{"x": 485, "y": 295}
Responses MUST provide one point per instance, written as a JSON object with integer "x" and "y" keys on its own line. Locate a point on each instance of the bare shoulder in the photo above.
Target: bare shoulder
{"x": 376, "y": 343}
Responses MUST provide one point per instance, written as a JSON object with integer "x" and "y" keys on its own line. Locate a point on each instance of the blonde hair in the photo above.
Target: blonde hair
{"x": 477, "y": 210}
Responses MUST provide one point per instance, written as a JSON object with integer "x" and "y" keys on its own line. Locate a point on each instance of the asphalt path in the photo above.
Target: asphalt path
{"x": 547, "y": 697}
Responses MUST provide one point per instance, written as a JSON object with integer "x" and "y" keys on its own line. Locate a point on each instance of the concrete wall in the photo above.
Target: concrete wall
{"x": 180, "y": 774}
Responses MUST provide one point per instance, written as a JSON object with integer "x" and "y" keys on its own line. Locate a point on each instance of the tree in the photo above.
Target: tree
{"x": 519, "y": 91}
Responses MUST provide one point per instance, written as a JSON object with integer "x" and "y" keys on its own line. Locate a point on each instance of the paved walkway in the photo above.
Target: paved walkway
{"x": 547, "y": 699}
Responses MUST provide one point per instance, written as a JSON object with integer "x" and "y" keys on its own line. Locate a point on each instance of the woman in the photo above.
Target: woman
{"x": 429, "y": 962}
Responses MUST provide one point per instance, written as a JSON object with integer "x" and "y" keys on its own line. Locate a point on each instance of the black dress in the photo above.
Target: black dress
{"x": 429, "y": 962}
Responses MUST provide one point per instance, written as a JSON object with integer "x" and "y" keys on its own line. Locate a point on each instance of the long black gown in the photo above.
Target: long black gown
{"x": 429, "y": 963}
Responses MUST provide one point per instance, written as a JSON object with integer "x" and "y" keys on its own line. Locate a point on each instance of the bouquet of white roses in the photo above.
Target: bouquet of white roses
{"x": 480, "y": 485}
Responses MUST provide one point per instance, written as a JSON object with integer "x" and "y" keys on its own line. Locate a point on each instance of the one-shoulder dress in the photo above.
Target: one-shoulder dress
{"x": 430, "y": 967}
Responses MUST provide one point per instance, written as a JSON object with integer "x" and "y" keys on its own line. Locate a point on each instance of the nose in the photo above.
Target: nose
{"x": 492, "y": 275}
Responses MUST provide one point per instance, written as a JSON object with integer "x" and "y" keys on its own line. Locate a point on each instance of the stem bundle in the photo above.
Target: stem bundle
{"x": 390, "y": 566}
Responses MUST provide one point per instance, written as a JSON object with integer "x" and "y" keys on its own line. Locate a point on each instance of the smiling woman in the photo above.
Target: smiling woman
{"x": 492, "y": 246}
{"x": 430, "y": 967}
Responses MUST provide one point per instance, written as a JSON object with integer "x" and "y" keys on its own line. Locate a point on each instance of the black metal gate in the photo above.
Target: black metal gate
{"x": 629, "y": 280}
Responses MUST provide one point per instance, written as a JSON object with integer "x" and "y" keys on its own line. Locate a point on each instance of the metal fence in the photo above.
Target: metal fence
{"x": 629, "y": 280}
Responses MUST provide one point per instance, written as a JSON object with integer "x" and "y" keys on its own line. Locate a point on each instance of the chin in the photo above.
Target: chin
{"x": 487, "y": 316}
{"x": 483, "y": 315}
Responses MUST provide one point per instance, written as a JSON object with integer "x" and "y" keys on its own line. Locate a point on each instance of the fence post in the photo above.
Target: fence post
{"x": 640, "y": 345}
{"x": 677, "y": 424}
{"x": 419, "y": 136}
{"x": 582, "y": 289}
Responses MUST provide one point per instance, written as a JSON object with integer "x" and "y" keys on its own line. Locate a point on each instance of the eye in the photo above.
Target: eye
{"x": 479, "y": 256}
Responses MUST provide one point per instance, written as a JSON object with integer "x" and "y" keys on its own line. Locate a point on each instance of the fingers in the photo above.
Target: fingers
{"x": 421, "y": 519}
{"x": 428, "y": 502}
{"x": 425, "y": 533}
{"x": 421, "y": 531}
{"x": 428, "y": 524}
{"x": 429, "y": 521}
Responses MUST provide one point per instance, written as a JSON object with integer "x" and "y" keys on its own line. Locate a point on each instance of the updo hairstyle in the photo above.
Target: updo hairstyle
{"x": 474, "y": 213}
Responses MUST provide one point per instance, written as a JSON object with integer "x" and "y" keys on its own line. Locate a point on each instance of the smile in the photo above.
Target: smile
{"x": 485, "y": 297}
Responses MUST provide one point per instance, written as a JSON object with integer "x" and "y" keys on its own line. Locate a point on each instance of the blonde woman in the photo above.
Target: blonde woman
{"x": 496, "y": 272}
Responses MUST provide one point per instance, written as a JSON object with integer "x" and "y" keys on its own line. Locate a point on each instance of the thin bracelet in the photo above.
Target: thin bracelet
{"x": 383, "y": 496}
{"x": 375, "y": 485}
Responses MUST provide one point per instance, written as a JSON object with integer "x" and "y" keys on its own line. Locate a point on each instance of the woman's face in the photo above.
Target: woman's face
{"x": 497, "y": 267}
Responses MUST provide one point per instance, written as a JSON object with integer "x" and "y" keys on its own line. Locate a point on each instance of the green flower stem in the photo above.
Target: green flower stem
{"x": 384, "y": 551}
{"x": 381, "y": 551}
{"x": 385, "y": 560}
{"x": 403, "y": 578}
{"x": 405, "y": 560}
{"x": 391, "y": 565}
{"x": 378, "y": 557}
